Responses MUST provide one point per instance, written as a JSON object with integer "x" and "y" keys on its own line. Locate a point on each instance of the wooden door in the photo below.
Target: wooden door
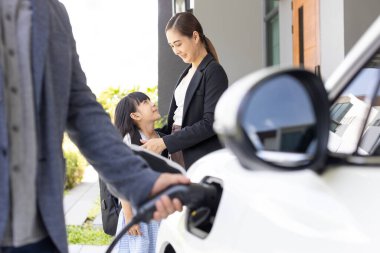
{"x": 306, "y": 43}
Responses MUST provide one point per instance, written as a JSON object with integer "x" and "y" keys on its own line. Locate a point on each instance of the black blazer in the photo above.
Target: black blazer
{"x": 197, "y": 137}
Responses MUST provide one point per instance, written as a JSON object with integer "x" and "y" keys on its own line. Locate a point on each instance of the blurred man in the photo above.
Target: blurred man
{"x": 43, "y": 92}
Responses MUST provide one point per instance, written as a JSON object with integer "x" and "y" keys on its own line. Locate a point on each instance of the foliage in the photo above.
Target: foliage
{"x": 111, "y": 96}
{"x": 95, "y": 210}
{"x": 75, "y": 164}
{"x": 87, "y": 235}
{"x": 161, "y": 122}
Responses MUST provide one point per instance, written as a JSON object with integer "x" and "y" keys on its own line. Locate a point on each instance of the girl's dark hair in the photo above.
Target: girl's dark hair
{"x": 186, "y": 23}
{"x": 127, "y": 105}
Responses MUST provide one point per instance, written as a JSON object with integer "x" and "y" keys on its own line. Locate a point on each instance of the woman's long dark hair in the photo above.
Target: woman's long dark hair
{"x": 127, "y": 105}
{"x": 186, "y": 23}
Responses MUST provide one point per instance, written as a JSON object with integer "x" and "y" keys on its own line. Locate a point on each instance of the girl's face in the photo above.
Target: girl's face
{"x": 186, "y": 48}
{"x": 147, "y": 111}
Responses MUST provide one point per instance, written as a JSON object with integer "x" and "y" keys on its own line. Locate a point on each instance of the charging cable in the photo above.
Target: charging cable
{"x": 192, "y": 195}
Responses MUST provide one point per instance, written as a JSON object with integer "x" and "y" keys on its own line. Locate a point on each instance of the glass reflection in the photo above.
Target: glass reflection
{"x": 355, "y": 116}
{"x": 369, "y": 144}
{"x": 279, "y": 116}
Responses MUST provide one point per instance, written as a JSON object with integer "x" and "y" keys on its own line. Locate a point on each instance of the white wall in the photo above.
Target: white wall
{"x": 342, "y": 23}
{"x": 236, "y": 29}
{"x": 358, "y": 16}
{"x": 286, "y": 40}
{"x": 332, "y": 35}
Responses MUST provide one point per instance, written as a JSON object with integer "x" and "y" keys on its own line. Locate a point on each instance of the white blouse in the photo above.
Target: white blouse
{"x": 179, "y": 95}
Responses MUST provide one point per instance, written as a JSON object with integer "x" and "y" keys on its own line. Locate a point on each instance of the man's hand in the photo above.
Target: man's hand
{"x": 156, "y": 145}
{"x": 165, "y": 206}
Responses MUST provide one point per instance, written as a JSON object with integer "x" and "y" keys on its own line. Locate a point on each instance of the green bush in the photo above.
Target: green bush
{"x": 75, "y": 163}
{"x": 75, "y": 166}
{"x": 161, "y": 122}
{"x": 111, "y": 96}
{"x": 87, "y": 235}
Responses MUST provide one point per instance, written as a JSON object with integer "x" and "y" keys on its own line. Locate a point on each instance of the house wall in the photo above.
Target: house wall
{"x": 236, "y": 28}
{"x": 358, "y": 16}
{"x": 342, "y": 23}
{"x": 331, "y": 35}
{"x": 286, "y": 40}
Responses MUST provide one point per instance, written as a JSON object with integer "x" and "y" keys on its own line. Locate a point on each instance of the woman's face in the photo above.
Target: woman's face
{"x": 148, "y": 111}
{"x": 183, "y": 46}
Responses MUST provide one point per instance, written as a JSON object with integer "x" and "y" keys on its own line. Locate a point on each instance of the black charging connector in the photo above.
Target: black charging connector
{"x": 192, "y": 195}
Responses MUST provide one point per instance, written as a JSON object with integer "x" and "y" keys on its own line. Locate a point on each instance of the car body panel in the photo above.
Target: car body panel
{"x": 297, "y": 211}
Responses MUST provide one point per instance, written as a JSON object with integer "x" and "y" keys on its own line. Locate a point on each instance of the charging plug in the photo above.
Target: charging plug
{"x": 192, "y": 195}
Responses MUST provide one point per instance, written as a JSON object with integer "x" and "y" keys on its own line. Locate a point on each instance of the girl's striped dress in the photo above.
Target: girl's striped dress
{"x": 132, "y": 243}
{"x": 138, "y": 244}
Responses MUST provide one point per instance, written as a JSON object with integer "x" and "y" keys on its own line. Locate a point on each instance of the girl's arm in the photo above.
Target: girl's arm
{"x": 128, "y": 214}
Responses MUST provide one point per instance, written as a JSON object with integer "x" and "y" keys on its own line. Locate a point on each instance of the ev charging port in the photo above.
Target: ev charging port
{"x": 200, "y": 219}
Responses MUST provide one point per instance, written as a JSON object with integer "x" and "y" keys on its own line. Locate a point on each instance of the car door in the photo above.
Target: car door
{"x": 354, "y": 93}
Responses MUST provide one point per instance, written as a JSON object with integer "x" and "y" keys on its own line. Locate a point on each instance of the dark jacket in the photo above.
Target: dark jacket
{"x": 197, "y": 137}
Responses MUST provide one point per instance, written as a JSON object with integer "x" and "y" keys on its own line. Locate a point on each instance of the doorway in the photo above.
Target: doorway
{"x": 305, "y": 33}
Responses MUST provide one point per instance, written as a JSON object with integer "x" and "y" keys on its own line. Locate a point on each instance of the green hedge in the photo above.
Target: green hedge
{"x": 87, "y": 235}
{"x": 75, "y": 163}
{"x": 75, "y": 166}
{"x": 109, "y": 97}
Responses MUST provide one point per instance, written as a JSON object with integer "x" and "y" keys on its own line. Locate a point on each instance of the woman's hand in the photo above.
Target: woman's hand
{"x": 156, "y": 145}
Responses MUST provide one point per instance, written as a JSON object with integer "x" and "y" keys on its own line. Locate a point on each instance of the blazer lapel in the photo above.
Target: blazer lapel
{"x": 195, "y": 81}
{"x": 40, "y": 35}
{"x": 193, "y": 85}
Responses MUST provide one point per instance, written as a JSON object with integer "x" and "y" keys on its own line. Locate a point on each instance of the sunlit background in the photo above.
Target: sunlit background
{"x": 116, "y": 41}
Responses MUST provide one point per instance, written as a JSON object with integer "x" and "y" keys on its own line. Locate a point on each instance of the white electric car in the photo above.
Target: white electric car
{"x": 300, "y": 171}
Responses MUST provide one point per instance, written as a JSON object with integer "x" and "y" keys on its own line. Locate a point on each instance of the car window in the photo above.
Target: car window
{"x": 355, "y": 115}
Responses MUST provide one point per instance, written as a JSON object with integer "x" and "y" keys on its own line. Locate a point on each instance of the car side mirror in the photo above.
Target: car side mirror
{"x": 276, "y": 117}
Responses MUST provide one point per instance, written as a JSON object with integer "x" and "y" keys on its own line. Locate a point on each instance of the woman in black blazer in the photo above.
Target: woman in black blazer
{"x": 189, "y": 127}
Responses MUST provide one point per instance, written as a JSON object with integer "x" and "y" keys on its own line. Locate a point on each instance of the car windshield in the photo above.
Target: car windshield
{"x": 355, "y": 115}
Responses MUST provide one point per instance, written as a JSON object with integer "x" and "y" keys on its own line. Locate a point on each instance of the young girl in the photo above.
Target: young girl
{"x": 135, "y": 115}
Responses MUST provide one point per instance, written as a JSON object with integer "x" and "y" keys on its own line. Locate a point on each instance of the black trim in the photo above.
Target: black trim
{"x": 300, "y": 36}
